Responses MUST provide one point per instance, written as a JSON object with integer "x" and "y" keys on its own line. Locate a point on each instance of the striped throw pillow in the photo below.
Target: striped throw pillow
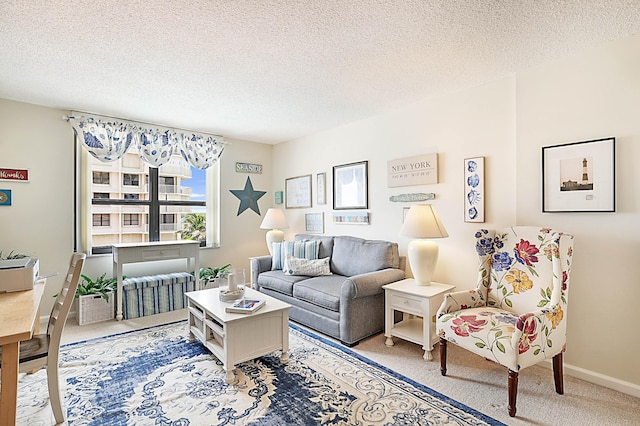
{"x": 301, "y": 249}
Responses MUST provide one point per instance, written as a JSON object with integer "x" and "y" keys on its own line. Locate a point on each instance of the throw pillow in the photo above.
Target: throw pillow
{"x": 299, "y": 249}
{"x": 311, "y": 268}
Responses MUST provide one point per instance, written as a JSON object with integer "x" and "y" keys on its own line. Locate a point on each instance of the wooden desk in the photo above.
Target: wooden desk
{"x": 18, "y": 317}
{"x": 153, "y": 251}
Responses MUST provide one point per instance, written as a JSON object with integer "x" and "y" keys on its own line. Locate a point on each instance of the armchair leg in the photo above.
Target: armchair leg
{"x": 443, "y": 356}
{"x": 513, "y": 391}
{"x": 558, "y": 376}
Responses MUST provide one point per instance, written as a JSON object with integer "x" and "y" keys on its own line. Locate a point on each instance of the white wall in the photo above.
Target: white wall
{"x": 40, "y": 221}
{"x": 477, "y": 122}
{"x": 590, "y": 96}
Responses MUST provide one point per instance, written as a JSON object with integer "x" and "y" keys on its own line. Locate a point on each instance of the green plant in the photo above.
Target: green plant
{"x": 194, "y": 227}
{"x": 207, "y": 275}
{"x": 12, "y": 255}
{"x": 101, "y": 286}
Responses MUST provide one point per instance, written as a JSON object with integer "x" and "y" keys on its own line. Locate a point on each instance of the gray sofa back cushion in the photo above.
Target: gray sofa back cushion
{"x": 355, "y": 256}
{"x": 326, "y": 243}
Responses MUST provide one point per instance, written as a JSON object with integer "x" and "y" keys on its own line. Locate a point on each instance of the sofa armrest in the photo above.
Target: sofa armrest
{"x": 460, "y": 300}
{"x": 259, "y": 265}
{"x": 370, "y": 283}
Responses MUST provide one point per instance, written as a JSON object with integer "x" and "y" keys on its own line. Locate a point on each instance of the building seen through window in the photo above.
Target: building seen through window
{"x": 128, "y": 202}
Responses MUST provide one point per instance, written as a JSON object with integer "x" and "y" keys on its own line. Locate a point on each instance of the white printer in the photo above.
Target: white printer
{"x": 18, "y": 274}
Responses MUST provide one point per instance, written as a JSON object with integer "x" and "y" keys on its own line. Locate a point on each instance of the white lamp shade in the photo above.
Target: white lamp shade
{"x": 274, "y": 220}
{"x": 423, "y": 222}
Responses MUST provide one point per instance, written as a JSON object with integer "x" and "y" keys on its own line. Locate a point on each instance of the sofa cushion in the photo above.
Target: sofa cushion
{"x": 355, "y": 256}
{"x": 326, "y": 243}
{"x": 278, "y": 281}
{"x": 301, "y": 249}
{"x": 322, "y": 291}
{"x": 310, "y": 268}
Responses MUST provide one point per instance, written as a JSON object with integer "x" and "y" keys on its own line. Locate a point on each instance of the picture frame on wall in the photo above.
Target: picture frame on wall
{"x": 352, "y": 218}
{"x": 297, "y": 192}
{"x": 579, "y": 177}
{"x": 474, "y": 194}
{"x": 314, "y": 223}
{"x": 321, "y": 181}
{"x": 350, "y": 186}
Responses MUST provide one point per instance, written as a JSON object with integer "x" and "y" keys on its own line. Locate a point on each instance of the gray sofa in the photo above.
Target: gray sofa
{"x": 348, "y": 305}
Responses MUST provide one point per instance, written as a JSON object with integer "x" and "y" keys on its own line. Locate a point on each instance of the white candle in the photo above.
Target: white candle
{"x": 233, "y": 285}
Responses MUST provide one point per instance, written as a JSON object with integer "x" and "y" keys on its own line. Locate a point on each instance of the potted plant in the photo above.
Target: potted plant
{"x": 102, "y": 286}
{"x": 212, "y": 275}
{"x": 94, "y": 299}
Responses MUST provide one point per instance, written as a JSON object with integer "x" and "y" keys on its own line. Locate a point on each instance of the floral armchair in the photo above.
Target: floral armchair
{"x": 517, "y": 314}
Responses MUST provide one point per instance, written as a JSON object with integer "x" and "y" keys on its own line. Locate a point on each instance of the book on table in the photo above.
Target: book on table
{"x": 245, "y": 306}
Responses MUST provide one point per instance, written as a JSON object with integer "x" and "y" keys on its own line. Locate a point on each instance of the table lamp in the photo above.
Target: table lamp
{"x": 422, "y": 222}
{"x": 274, "y": 220}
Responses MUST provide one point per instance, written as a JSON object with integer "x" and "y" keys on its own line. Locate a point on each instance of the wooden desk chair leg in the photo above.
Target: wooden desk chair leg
{"x": 54, "y": 389}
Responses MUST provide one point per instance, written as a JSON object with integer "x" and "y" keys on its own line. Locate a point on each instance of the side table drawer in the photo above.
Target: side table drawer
{"x": 406, "y": 303}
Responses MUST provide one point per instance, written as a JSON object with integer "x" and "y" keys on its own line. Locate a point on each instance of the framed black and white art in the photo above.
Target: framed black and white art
{"x": 579, "y": 177}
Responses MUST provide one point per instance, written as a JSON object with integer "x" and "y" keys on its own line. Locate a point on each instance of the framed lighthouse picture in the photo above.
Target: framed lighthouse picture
{"x": 579, "y": 177}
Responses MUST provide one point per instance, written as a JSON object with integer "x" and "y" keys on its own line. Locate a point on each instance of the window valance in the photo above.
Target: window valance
{"x": 107, "y": 139}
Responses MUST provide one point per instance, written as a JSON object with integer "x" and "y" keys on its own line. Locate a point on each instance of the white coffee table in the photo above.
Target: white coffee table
{"x": 236, "y": 338}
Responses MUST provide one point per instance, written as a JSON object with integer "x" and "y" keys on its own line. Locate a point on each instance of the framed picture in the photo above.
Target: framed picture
{"x": 297, "y": 192}
{"x": 5, "y": 197}
{"x": 579, "y": 177}
{"x": 322, "y": 191}
{"x": 352, "y": 218}
{"x": 350, "y": 186}
{"x": 314, "y": 223}
{"x": 474, "y": 189}
{"x": 278, "y": 197}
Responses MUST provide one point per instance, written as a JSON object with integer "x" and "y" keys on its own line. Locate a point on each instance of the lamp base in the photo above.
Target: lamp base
{"x": 423, "y": 256}
{"x": 274, "y": 236}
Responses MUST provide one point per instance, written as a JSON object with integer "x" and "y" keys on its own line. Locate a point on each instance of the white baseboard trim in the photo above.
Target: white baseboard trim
{"x": 598, "y": 379}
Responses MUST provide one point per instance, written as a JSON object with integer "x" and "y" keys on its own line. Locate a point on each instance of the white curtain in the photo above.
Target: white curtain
{"x": 107, "y": 139}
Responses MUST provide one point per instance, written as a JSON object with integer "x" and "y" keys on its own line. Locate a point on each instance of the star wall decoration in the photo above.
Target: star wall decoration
{"x": 248, "y": 197}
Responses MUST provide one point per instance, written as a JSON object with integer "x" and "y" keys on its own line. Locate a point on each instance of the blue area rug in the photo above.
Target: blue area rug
{"x": 156, "y": 377}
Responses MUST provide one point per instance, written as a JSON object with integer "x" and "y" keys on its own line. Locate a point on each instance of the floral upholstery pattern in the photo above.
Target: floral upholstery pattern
{"x": 516, "y": 316}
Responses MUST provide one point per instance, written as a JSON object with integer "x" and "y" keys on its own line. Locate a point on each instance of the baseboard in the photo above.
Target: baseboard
{"x": 598, "y": 379}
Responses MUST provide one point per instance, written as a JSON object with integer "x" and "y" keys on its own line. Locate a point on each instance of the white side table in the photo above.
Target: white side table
{"x": 420, "y": 302}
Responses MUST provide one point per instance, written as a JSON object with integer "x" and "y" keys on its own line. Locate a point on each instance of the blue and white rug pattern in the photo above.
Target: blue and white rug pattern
{"x": 157, "y": 377}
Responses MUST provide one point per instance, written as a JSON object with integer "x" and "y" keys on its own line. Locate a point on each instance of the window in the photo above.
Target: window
{"x": 167, "y": 185}
{"x": 129, "y": 179}
{"x": 101, "y": 178}
{"x": 173, "y": 202}
{"x": 130, "y": 219}
{"x": 101, "y": 220}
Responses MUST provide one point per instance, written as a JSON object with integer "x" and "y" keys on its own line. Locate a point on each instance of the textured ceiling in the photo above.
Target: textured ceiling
{"x": 270, "y": 71}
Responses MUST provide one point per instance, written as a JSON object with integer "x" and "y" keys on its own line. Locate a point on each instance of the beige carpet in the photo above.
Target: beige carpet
{"x": 471, "y": 380}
